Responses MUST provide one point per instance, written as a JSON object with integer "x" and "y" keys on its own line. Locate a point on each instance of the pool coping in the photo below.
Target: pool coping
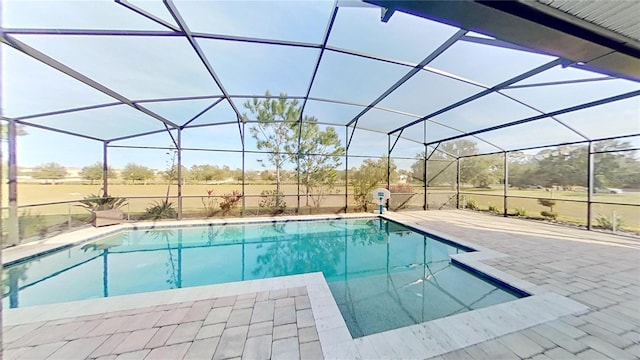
{"x": 422, "y": 340}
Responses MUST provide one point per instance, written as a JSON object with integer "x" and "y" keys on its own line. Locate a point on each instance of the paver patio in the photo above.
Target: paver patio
{"x": 601, "y": 271}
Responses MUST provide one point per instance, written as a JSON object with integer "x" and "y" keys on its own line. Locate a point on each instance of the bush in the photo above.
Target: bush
{"x": 160, "y": 210}
{"x": 31, "y": 224}
{"x": 209, "y": 203}
{"x": 549, "y": 215}
{"x": 96, "y": 203}
{"x": 494, "y": 209}
{"x": 471, "y": 204}
{"x": 230, "y": 202}
{"x": 520, "y": 212}
{"x": 548, "y": 203}
{"x": 606, "y": 223}
{"x": 272, "y": 199}
{"x": 401, "y": 188}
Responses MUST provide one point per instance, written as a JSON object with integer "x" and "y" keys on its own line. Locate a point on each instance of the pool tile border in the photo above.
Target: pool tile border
{"x": 423, "y": 340}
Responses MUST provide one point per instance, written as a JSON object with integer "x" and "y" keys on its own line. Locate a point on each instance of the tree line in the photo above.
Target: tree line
{"x": 562, "y": 167}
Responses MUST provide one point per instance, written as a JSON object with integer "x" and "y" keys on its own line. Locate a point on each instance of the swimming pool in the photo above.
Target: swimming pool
{"x": 382, "y": 274}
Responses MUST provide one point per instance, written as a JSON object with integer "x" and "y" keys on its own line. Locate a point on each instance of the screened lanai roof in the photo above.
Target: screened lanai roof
{"x": 113, "y": 71}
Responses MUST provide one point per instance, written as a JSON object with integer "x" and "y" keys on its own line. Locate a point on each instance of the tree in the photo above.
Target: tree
{"x": 134, "y": 172}
{"x": 94, "y": 172}
{"x": 4, "y": 131}
{"x": 273, "y": 130}
{"x": 49, "y": 171}
{"x": 319, "y": 154}
{"x": 171, "y": 174}
{"x": 371, "y": 174}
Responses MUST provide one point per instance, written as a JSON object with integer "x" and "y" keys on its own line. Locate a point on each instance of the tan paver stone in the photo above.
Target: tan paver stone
{"x": 297, "y": 291}
{"x": 176, "y": 351}
{"x": 605, "y": 348}
{"x": 142, "y": 321}
{"x": 307, "y": 334}
{"x": 161, "y": 337}
{"x": 247, "y": 296}
{"x": 262, "y": 296}
{"x": 15, "y": 353}
{"x": 278, "y": 294}
{"x": 79, "y": 349}
{"x": 244, "y": 303}
{"x": 257, "y": 348}
{"x": 285, "y": 349}
{"x": 311, "y": 351}
{"x": 110, "y": 326}
{"x": 591, "y": 354}
{"x": 107, "y": 347}
{"x": 38, "y": 352}
{"x": 184, "y": 332}
{"x": 559, "y": 338}
{"x": 539, "y": 357}
{"x": 633, "y": 349}
{"x": 538, "y": 339}
{"x": 284, "y": 315}
{"x": 560, "y": 353}
{"x": 239, "y": 317}
{"x": 108, "y": 357}
{"x": 202, "y": 349}
{"x": 172, "y": 317}
{"x": 496, "y": 350}
{"x": 44, "y": 335}
{"x": 198, "y": 311}
{"x": 231, "y": 342}
{"x": 16, "y": 332}
{"x": 262, "y": 328}
{"x": 285, "y": 331}
{"x": 613, "y": 339}
{"x": 476, "y": 352}
{"x": 305, "y": 318}
{"x": 521, "y": 345}
{"x": 84, "y": 329}
{"x": 284, "y": 302}
{"x": 218, "y": 315}
{"x": 136, "y": 355}
{"x": 302, "y": 302}
{"x": 225, "y": 301}
{"x": 136, "y": 340}
{"x": 263, "y": 311}
{"x": 210, "y": 331}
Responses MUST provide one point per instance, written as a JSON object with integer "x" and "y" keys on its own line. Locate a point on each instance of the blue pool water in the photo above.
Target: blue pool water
{"x": 382, "y": 274}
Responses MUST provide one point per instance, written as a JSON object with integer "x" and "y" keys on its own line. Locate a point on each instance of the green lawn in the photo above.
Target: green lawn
{"x": 569, "y": 211}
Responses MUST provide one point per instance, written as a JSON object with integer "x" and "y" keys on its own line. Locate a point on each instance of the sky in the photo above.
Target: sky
{"x": 144, "y": 68}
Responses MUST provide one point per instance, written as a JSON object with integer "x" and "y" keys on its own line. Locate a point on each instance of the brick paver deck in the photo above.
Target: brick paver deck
{"x": 275, "y": 324}
{"x": 600, "y": 271}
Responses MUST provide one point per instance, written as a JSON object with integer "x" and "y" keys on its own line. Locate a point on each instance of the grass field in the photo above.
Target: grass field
{"x": 570, "y": 205}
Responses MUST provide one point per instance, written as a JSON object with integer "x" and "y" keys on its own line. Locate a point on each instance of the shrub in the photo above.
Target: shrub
{"x": 494, "y": 209}
{"x": 548, "y": 203}
{"x": 401, "y": 188}
{"x": 272, "y": 199}
{"x": 471, "y": 204}
{"x": 520, "y": 212}
{"x": 160, "y": 210}
{"x": 604, "y": 222}
{"x": 230, "y": 202}
{"x": 210, "y": 203}
{"x": 30, "y": 224}
{"x": 96, "y": 203}
{"x": 549, "y": 215}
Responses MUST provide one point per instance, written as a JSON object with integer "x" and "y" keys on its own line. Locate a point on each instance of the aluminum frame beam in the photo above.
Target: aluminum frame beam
{"x": 483, "y": 93}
